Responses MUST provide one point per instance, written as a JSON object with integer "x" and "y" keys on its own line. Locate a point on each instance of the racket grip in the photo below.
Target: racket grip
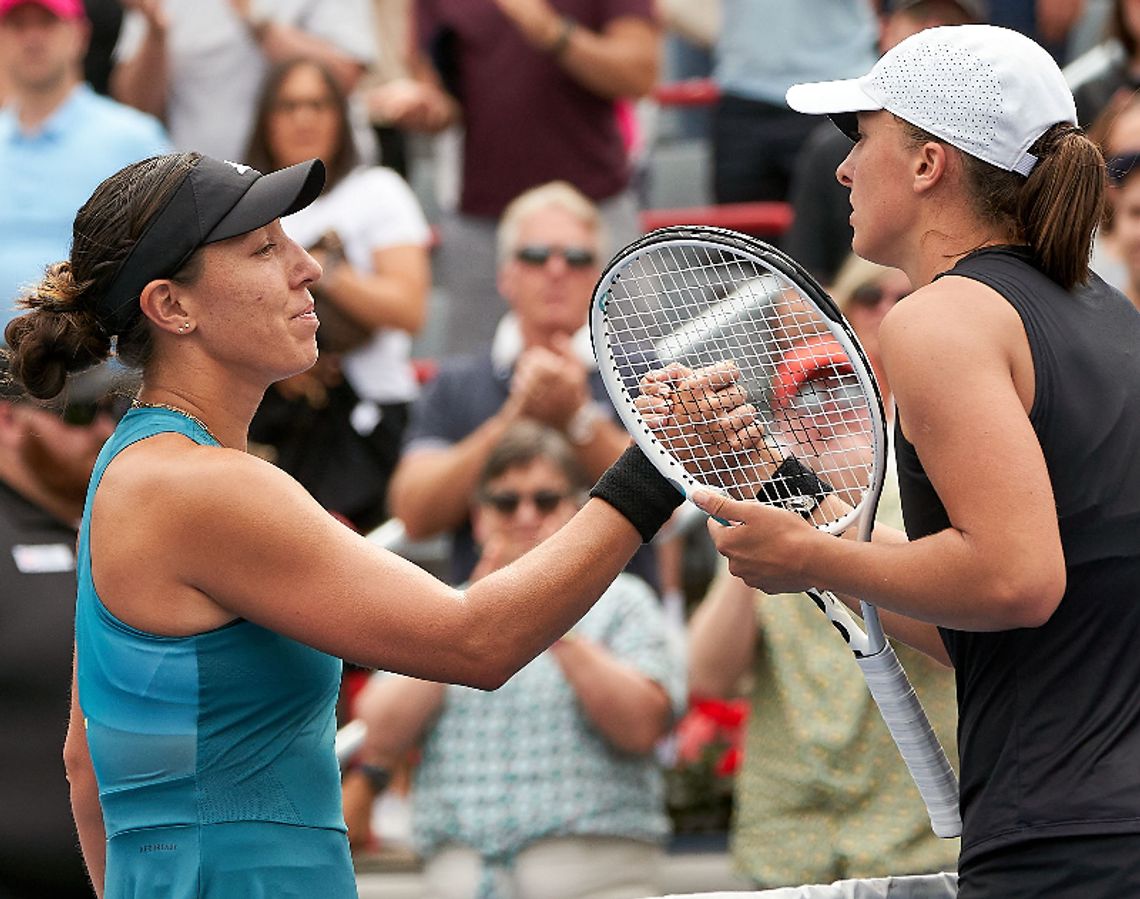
{"x": 915, "y": 738}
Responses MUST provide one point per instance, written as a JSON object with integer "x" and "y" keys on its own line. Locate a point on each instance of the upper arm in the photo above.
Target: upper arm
{"x": 409, "y": 264}
{"x": 956, "y": 356}
{"x": 266, "y": 551}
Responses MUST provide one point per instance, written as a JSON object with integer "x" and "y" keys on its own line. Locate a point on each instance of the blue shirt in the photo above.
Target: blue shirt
{"x": 808, "y": 40}
{"x": 47, "y": 175}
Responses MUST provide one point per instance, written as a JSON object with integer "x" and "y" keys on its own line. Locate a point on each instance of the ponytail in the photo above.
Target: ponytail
{"x": 1063, "y": 202}
{"x": 1056, "y": 210}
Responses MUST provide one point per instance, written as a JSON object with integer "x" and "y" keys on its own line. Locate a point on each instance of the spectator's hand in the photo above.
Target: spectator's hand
{"x": 550, "y": 384}
{"x": 539, "y": 23}
{"x": 152, "y": 10}
{"x": 509, "y": 544}
{"x": 412, "y": 104}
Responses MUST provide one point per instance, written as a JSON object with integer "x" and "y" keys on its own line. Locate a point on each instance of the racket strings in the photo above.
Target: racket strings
{"x": 793, "y": 388}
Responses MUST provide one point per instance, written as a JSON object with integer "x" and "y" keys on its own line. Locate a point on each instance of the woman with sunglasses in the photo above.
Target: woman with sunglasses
{"x": 551, "y": 778}
{"x": 216, "y": 598}
{"x": 337, "y": 428}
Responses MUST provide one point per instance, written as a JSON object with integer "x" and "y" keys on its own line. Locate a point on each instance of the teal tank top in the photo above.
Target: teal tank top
{"x": 231, "y": 725}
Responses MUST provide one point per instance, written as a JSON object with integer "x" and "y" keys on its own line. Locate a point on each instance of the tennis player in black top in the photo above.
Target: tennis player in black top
{"x": 1016, "y": 372}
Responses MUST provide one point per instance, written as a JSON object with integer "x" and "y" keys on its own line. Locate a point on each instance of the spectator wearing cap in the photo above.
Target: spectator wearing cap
{"x": 58, "y": 138}
{"x": 46, "y": 455}
{"x": 820, "y": 235}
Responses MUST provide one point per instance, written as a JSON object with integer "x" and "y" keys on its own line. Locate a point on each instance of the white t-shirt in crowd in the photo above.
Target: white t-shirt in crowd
{"x": 372, "y": 208}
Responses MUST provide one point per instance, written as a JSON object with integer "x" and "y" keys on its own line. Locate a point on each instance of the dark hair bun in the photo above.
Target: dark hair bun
{"x": 55, "y": 337}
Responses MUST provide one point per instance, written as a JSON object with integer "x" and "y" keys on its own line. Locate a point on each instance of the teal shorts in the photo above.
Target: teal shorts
{"x": 243, "y": 860}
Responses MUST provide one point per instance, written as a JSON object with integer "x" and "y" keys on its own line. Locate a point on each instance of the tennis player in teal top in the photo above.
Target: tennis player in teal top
{"x": 216, "y": 597}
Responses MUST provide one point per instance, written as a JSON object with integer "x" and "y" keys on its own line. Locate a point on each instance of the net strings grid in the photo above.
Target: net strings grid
{"x": 700, "y": 305}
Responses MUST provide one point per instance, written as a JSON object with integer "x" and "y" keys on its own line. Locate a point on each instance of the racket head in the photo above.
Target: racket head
{"x": 700, "y": 297}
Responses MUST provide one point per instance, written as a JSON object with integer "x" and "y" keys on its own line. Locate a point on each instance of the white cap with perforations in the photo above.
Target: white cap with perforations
{"x": 989, "y": 91}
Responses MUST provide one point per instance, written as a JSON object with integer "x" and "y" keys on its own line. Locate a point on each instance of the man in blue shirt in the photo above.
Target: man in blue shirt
{"x": 58, "y": 138}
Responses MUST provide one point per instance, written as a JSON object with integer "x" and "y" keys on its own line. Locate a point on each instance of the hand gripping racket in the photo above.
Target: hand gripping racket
{"x": 780, "y": 363}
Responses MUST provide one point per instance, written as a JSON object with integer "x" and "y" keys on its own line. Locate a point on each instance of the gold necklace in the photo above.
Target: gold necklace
{"x": 139, "y": 404}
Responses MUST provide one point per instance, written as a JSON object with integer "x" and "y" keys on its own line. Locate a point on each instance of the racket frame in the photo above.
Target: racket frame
{"x": 885, "y": 676}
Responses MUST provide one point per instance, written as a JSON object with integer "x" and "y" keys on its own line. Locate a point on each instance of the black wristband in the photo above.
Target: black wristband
{"x": 636, "y": 489}
{"x": 795, "y": 487}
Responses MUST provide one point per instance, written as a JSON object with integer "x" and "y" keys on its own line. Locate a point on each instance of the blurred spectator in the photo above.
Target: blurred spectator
{"x": 58, "y": 138}
{"x": 1049, "y": 22}
{"x": 200, "y": 63}
{"x": 1116, "y": 248}
{"x": 1110, "y": 69}
{"x": 46, "y": 456}
{"x": 391, "y": 20}
{"x": 756, "y": 138}
{"x": 534, "y": 85}
{"x": 820, "y": 235}
{"x": 337, "y": 428}
{"x": 106, "y": 17}
{"x": 1125, "y": 234}
{"x": 547, "y": 786}
{"x": 540, "y": 366}
{"x": 866, "y": 292}
{"x": 823, "y": 793}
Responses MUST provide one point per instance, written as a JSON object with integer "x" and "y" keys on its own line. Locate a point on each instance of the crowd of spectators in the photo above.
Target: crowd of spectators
{"x": 482, "y": 159}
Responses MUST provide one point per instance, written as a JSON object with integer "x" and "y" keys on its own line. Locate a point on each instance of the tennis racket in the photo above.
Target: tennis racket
{"x": 753, "y": 363}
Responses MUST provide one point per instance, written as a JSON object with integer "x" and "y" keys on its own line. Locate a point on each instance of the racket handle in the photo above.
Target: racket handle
{"x": 915, "y": 738}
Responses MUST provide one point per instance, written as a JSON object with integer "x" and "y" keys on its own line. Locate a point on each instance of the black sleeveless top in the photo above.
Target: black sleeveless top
{"x": 1049, "y": 717}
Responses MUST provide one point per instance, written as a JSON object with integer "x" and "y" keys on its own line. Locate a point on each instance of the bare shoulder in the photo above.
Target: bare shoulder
{"x": 184, "y": 478}
{"x": 953, "y": 320}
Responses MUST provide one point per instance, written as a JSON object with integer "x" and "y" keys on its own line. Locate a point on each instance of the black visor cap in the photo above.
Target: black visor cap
{"x": 216, "y": 201}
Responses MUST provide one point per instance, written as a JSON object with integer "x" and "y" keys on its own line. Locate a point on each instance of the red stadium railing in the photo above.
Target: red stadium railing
{"x": 765, "y": 219}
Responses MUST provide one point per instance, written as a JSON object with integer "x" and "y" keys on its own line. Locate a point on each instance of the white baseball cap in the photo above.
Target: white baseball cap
{"x": 989, "y": 91}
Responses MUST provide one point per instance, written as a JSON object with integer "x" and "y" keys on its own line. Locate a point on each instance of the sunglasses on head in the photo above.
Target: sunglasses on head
{"x": 508, "y": 502}
{"x": 539, "y": 254}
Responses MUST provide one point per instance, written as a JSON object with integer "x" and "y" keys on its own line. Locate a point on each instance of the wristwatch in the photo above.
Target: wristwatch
{"x": 583, "y": 424}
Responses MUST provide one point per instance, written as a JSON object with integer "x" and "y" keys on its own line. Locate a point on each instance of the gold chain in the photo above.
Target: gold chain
{"x": 138, "y": 404}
